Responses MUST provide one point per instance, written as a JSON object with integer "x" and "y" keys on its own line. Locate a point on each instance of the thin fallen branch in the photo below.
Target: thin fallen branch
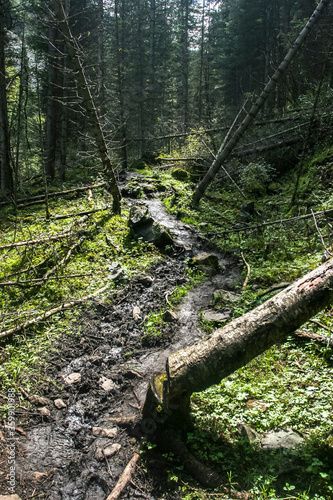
{"x": 63, "y": 260}
{"x": 314, "y": 321}
{"x": 272, "y": 288}
{"x": 124, "y": 478}
{"x": 87, "y": 212}
{"x": 51, "y": 312}
{"x": 56, "y": 193}
{"x": 39, "y": 241}
{"x": 320, "y": 339}
{"x": 279, "y": 221}
{"x": 321, "y": 236}
{"x": 247, "y": 274}
{"x": 38, "y": 281}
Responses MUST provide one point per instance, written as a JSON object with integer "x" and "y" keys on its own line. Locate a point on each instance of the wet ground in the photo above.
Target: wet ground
{"x": 102, "y": 373}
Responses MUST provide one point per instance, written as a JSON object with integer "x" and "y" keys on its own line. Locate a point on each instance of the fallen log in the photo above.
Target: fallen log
{"x": 39, "y": 241}
{"x": 56, "y": 193}
{"x": 213, "y": 358}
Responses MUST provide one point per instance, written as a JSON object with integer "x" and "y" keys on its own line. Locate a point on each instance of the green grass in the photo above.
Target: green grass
{"x": 105, "y": 243}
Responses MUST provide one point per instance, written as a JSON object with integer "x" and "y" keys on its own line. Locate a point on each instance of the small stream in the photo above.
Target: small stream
{"x": 66, "y": 444}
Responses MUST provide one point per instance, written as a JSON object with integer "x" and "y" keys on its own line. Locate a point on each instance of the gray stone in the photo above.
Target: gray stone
{"x": 10, "y": 497}
{"x": 216, "y": 315}
{"x": 143, "y": 226}
{"x": 208, "y": 263}
{"x": 226, "y": 296}
{"x": 106, "y": 384}
{"x": 281, "y": 438}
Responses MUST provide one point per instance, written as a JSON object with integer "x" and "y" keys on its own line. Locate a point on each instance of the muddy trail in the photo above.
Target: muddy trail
{"x": 73, "y": 451}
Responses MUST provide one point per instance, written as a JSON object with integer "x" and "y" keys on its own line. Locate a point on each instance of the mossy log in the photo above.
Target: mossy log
{"x": 213, "y": 358}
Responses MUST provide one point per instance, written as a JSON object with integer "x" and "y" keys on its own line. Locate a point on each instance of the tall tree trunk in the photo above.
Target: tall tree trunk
{"x": 224, "y": 153}
{"x": 213, "y": 358}
{"x": 152, "y": 49}
{"x": 88, "y": 102}
{"x": 51, "y": 106}
{"x": 119, "y": 34}
{"x": 6, "y": 174}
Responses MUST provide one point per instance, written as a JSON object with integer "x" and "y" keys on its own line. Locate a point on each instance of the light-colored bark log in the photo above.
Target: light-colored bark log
{"x": 215, "y": 357}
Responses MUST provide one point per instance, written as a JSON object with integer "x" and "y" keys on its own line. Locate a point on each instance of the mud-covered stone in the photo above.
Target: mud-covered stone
{"x": 216, "y": 316}
{"x": 143, "y": 227}
{"x": 208, "y": 263}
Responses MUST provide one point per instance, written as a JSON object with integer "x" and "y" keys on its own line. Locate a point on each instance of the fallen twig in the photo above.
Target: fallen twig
{"x": 314, "y": 321}
{"x": 39, "y": 241}
{"x": 124, "y": 478}
{"x": 56, "y": 193}
{"x": 64, "y": 259}
{"x": 248, "y": 273}
{"x": 51, "y": 312}
{"x": 41, "y": 281}
{"x": 272, "y": 288}
{"x": 320, "y": 339}
{"x": 279, "y": 221}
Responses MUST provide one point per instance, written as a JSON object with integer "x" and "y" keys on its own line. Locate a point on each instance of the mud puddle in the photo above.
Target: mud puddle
{"x": 62, "y": 457}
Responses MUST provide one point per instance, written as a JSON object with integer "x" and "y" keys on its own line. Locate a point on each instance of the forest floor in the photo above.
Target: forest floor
{"x": 68, "y": 441}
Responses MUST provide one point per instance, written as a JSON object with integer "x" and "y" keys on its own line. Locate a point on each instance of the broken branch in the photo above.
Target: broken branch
{"x": 124, "y": 478}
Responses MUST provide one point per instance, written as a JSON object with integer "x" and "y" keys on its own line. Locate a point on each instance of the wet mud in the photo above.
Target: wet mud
{"x": 75, "y": 452}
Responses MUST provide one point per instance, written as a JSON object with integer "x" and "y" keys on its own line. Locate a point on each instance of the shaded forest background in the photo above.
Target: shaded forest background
{"x": 157, "y": 70}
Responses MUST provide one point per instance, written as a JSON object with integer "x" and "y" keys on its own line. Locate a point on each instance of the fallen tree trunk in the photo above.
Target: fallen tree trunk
{"x": 213, "y": 358}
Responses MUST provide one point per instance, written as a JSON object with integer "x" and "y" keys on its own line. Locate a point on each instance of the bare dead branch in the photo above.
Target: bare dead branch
{"x": 51, "y": 312}
{"x": 247, "y": 274}
{"x": 124, "y": 478}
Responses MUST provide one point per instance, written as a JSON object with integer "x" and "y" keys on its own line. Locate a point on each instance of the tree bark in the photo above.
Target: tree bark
{"x": 88, "y": 102}
{"x": 6, "y": 174}
{"x": 224, "y": 153}
{"x": 218, "y": 355}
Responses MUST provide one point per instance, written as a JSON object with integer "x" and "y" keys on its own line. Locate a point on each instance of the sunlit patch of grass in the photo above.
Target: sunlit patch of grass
{"x": 105, "y": 243}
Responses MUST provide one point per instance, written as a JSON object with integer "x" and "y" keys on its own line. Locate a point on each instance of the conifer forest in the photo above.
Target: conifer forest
{"x": 166, "y": 244}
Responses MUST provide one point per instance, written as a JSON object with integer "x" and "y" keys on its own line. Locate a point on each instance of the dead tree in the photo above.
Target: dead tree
{"x": 226, "y": 150}
{"x": 218, "y": 355}
{"x": 88, "y": 101}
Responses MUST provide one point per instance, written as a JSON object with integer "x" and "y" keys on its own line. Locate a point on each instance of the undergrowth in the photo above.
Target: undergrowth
{"x": 290, "y": 385}
{"x": 106, "y": 256}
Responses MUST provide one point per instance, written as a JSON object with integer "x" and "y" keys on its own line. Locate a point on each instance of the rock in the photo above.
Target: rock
{"x": 247, "y": 432}
{"x": 180, "y": 174}
{"x": 58, "y": 403}
{"x": 216, "y": 315}
{"x": 106, "y": 384}
{"x": 143, "y": 226}
{"x": 44, "y": 411}
{"x": 10, "y": 497}
{"x": 281, "y": 438}
{"x": 136, "y": 313}
{"x": 226, "y": 296}
{"x": 206, "y": 262}
{"x": 107, "y": 451}
{"x": 72, "y": 378}
{"x": 169, "y": 316}
{"x": 38, "y": 400}
{"x": 105, "y": 432}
